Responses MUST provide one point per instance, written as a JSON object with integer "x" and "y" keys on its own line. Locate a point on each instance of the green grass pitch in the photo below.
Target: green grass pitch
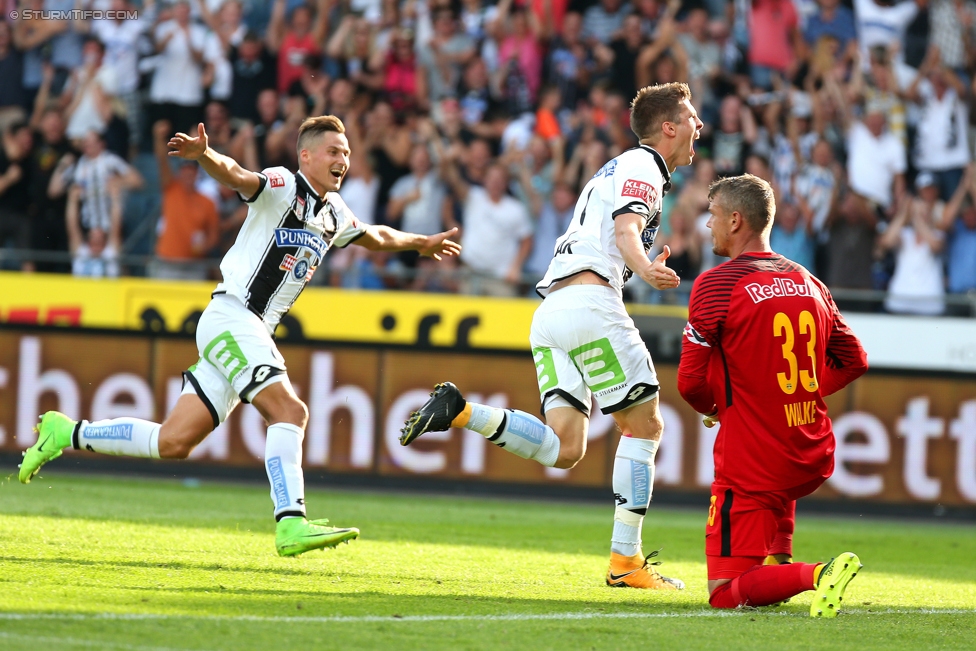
{"x": 124, "y": 564}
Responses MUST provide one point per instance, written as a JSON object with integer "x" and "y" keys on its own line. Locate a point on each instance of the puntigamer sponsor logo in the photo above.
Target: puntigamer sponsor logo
{"x": 779, "y": 288}
{"x": 109, "y": 432}
{"x": 298, "y": 237}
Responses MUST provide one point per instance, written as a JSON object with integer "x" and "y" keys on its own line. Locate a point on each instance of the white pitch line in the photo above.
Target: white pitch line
{"x": 366, "y": 619}
{"x": 71, "y": 641}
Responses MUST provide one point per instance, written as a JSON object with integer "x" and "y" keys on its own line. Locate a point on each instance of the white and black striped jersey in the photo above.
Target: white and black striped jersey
{"x": 288, "y": 231}
{"x": 633, "y": 182}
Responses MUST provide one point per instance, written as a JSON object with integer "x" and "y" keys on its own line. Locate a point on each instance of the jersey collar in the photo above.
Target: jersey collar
{"x": 306, "y": 187}
{"x": 661, "y": 165}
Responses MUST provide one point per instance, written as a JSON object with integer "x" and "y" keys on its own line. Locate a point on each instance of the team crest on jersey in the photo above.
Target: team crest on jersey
{"x": 301, "y": 268}
{"x": 276, "y": 180}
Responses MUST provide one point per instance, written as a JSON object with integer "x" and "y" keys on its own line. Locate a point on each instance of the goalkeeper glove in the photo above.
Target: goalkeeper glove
{"x": 710, "y": 420}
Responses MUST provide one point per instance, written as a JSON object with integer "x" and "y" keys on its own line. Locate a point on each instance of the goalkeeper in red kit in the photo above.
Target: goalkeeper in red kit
{"x": 764, "y": 345}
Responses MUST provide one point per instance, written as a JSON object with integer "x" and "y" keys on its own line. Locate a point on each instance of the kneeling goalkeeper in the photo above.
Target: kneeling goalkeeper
{"x": 764, "y": 345}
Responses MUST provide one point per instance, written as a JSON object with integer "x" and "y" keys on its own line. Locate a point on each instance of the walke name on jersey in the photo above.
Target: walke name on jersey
{"x": 801, "y": 413}
{"x": 779, "y": 288}
{"x": 299, "y": 237}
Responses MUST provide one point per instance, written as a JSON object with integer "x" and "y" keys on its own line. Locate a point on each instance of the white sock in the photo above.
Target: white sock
{"x": 283, "y": 461}
{"x": 129, "y": 437}
{"x": 633, "y": 483}
{"x": 521, "y": 434}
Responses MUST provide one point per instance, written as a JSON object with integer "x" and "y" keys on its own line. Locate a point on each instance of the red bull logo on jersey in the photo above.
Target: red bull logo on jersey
{"x": 299, "y": 237}
{"x": 779, "y": 288}
{"x": 639, "y": 190}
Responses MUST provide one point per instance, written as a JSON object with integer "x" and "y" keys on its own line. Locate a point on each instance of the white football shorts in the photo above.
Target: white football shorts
{"x": 585, "y": 343}
{"x": 238, "y": 357}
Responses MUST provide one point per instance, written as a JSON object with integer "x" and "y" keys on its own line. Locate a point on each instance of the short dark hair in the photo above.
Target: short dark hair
{"x": 655, "y": 105}
{"x": 312, "y": 128}
{"x": 750, "y": 196}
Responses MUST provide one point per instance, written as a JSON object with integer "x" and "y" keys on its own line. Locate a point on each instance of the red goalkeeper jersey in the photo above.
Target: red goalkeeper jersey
{"x": 764, "y": 344}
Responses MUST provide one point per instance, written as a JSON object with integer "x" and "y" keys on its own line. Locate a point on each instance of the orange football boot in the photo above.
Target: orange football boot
{"x": 638, "y": 572}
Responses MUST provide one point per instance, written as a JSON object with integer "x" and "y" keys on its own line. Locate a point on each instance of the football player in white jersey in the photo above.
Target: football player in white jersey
{"x": 584, "y": 342}
{"x": 292, "y": 222}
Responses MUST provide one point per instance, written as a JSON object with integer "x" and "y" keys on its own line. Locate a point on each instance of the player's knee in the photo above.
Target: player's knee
{"x": 172, "y": 448}
{"x": 569, "y": 454}
{"x": 294, "y": 412}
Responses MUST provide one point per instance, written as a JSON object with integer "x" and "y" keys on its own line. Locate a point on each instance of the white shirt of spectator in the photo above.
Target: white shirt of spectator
{"x": 873, "y": 163}
{"x": 942, "y": 142}
{"x": 422, "y": 216}
{"x": 86, "y": 116}
{"x": 85, "y": 265}
{"x": 178, "y": 77}
{"x": 816, "y": 185}
{"x": 287, "y": 232}
{"x": 878, "y": 25}
{"x": 92, "y": 176}
{"x": 633, "y": 182}
{"x": 917, "y": 286}
{"x": 214, "y": 54}
{"x": 493, "y": 232}
{"x": 121, "y": 41}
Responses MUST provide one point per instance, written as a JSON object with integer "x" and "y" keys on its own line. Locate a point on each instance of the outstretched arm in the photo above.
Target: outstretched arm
{"x": 223, "y": 169}
{"x": 384, "y": 238}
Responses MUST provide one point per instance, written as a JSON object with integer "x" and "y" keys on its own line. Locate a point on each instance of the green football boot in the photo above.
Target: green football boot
{"x": 832, "y": 584}
{"x": 296, "y": 536}
{"x": 53, "y": 435}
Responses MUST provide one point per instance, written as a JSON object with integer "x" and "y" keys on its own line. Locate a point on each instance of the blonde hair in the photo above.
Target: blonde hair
{"x": 748, "y": 195}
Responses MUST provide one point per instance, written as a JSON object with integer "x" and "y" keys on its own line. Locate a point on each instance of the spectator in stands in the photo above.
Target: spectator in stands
{"x": 731, "y": 142}
{"x": 876, "y": 158}
{"x": 520, "y": 56}
{"x": 497, "y": 235}
{"x": 879, "y": 86}
{"x": 93, "y": 257}
{"x": 48, "y": 231}
{"x": 775, "y": 41}
{"x": 227, "y": 31}
{"x": 253, "y": 70}
{"x": 959, "y": 222}
{"x": 176, "y": 92}
{"x": 445, "y": 55}
{"x": 404, "y": 87}
{"x": 603, "y": 21}
{"x": 619, "y": 57}
{"x": 942, "y": 142}
{"x": 95, "y": 196}
{"x": 952, "y": 27}
{"x": 852, "y": 242}
{"x": 704, "y": 57}
{"x": 815, "y": 190}
{"x": 88, "y": 96}
{"x": 881, "y": 22}
{"x": 415, "y": 199}
{"x": 791, "y": 236}
{"x": 292, "y": 43}
{"x": 918, "y": 285}
{"x": 15, "y": 147}
{"x": 570, "y": 61}
{"x": 189, "y": 226}
{"x": 832, "y": 19}
{"x": 279, "y": 144}
{"x": 389, "y": 145}
{"x": 554, "y": 217}
{"x": 56, "y": 42}
{"x": 354, "y": 46}
{"x": 121, "y": 37}
{"x": 13, "y": 100}
{"x": 355, "y": 267}
{"x": 482, "y": 112}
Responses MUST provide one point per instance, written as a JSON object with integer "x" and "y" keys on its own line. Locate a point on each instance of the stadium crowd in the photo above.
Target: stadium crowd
{"x": 490, "y": 117}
